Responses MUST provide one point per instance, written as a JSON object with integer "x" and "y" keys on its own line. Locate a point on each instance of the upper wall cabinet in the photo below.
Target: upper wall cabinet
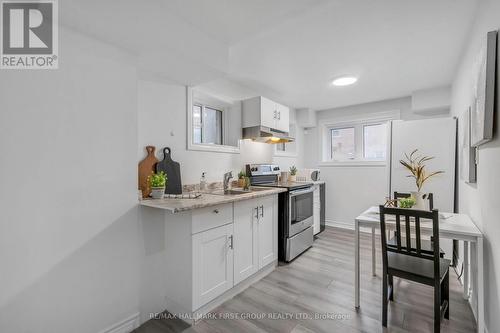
{"x": 260, "y": 111}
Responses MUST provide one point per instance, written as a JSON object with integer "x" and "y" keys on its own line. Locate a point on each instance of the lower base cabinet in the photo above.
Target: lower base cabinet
{"x": 211, "y": 250}
{"x": 212, "y": 264}
{"x": 255, "y": 236}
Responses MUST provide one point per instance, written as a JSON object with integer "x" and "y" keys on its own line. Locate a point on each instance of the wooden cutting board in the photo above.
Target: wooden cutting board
{"x": 146, "y": 167}
{"x": 173, "y": 171}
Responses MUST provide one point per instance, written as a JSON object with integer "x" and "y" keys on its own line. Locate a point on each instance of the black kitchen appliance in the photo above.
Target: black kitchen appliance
{"x": 295, "y": 210}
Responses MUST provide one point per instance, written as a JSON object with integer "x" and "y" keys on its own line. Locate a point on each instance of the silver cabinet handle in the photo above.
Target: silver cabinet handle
{"x": 262, "y": 211}
{"x": 216, "y": 211}
{"x": 231, "y": 245}
{"x": 256, "y": 212}
{"x": 279, "y": 115}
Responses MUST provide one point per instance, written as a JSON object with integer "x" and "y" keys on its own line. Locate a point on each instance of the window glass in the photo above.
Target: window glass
{"x": 212, "y": 126}
{"x": 342, "y": 143}
{"x": 375, "y": 141}
{"x": 197, "y": 124}
{"x": 207, "y": 125}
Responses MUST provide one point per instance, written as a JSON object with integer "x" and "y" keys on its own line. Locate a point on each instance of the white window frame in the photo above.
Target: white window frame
{"x": 206, "y": 147}
{"x": 358, "y": 122}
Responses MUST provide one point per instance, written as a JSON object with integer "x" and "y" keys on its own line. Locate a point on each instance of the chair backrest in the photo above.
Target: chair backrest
{"x": 430, "y": 197}
{"x": 411, "y": 219}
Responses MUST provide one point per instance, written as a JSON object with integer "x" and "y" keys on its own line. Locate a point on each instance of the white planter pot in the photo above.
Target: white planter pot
{"x": 293, "y": 178}
{"x": 157, "y": 192}
{"x": 419, "y": 200}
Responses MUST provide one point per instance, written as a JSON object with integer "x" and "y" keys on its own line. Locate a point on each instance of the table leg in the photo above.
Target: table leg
{"x": 480, "y": 286}
{"x": 466, "y": 270}
{"x": 374, "y": 263}
{"x": 356, "y": 264}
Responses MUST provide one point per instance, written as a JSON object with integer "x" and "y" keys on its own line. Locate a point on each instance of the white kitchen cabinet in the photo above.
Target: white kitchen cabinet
{"x": 267, "y": 232}
{"x": 282, "y": 118}
{"x": 246, "y": 218}
{"x": 261, "y": 111}
{"x": 255, "y": 236}
{"x": 212, "y": 253}
{"x": 267, "y": 112}
{"x": 212, "y": 264}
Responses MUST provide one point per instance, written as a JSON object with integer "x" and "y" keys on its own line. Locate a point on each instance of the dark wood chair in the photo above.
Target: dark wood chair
{"x": 427, "y": 245}
{"x": 410, "y": 262}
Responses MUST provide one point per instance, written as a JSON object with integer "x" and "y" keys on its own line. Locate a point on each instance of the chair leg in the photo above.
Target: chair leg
{"x": 446, "y": 294}
{"x": 437, "y": 307}
{"x": 384, "y": 299}
{"x": 391, "y": 284}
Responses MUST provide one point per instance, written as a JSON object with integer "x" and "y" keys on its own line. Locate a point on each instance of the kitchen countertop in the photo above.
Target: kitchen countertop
{"x": 206, "y": 200}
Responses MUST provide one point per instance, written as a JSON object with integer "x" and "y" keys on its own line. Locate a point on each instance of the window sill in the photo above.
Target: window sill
{"x": 214, "y": 148}
{"x": 353, "y": 164}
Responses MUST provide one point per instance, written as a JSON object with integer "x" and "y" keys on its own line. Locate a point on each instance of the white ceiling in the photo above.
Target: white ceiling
{"x": 288, "y": 50}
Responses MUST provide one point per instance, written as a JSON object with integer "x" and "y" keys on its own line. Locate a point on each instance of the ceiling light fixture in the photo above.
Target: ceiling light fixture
{"x": 344, "y": 81}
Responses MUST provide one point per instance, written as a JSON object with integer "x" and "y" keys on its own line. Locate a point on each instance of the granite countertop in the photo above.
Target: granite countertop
{"x": 206, "y": 200}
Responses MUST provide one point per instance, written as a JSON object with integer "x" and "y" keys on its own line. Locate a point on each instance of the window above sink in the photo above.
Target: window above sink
{"x": 214, "y": 122}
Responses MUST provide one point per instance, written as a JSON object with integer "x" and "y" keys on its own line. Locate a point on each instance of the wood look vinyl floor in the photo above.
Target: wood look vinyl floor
{"x": 316, "y": 291}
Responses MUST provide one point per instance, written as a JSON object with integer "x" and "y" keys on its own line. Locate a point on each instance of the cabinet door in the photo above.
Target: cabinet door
{"x": 283, "y": 118}
{"x": 212, "y": 264}
{"x": 268, "y": 236}
{"x": 268, "y": 112}
{"x": 316, "y": 210}
{"x": 246, "y": 261}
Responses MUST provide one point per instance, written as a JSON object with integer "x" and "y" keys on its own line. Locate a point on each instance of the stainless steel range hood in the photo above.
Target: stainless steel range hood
{"x": 266, "y": 135}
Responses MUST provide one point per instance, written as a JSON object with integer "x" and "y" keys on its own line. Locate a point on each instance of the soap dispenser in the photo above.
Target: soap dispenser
{"x": 203, "y": 182}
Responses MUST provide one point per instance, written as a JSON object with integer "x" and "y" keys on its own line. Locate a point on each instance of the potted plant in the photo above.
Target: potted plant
{"x": 157, "y": 182}
{"x": 293, "y": 173}
{"x": 415, "y": 164}
{"x": 407, "y": 202}
{"x": 241, "y": 178}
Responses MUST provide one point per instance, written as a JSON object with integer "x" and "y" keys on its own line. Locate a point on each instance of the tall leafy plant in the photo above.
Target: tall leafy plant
{"x": 415, "y": 165}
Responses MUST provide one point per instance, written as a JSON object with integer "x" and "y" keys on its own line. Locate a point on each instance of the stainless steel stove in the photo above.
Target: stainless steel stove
{"x": 295, "y": 210}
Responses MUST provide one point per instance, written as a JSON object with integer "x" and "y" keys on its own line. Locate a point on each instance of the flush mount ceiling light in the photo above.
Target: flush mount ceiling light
{"x": 344, "y": 81}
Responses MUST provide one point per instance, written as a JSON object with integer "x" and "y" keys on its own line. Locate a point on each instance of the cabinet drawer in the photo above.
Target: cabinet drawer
{"x": 211, "y": 217}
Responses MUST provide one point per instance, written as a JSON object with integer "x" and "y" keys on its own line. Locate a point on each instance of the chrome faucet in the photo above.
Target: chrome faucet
{"x": 227, "y": 177}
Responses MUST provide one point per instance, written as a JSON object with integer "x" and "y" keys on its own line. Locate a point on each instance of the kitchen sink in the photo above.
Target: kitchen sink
{"x": 239, "y": 191}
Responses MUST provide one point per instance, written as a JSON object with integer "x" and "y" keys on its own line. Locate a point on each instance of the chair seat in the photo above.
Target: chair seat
{"x": 417, "y": 266}
{"x": 425, "y": 245}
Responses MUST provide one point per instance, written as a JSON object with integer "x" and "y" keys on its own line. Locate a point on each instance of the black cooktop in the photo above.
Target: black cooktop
{"x": 289, "y": 185}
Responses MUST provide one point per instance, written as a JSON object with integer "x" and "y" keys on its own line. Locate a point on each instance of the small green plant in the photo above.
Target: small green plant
{"x": 157, "y": 179}
{"x": 293, "y": 170}
{"x": 242, "y": 175}
{"x": 407, "y": 202}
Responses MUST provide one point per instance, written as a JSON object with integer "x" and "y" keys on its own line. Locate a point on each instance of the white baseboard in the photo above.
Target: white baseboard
{"x": 337, "y": 224}
{"x": 126, "y": 325}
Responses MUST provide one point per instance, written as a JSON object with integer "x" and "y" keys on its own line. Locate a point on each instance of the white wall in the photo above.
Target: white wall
{"x": 480, "y": 200}
{"x": 352, "y": 189}
{"x": 69, "y": 239}
{"x": 162, "y": 123}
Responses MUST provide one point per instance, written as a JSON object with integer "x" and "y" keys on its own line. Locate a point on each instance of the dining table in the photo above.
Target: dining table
{"x": 451, "y": 226}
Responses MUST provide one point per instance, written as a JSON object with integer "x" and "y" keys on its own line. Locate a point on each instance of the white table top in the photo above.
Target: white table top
{"x": 449, "y": 223}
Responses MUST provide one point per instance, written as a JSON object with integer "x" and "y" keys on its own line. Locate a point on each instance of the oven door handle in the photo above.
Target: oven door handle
{"x": 299, "y": 192}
